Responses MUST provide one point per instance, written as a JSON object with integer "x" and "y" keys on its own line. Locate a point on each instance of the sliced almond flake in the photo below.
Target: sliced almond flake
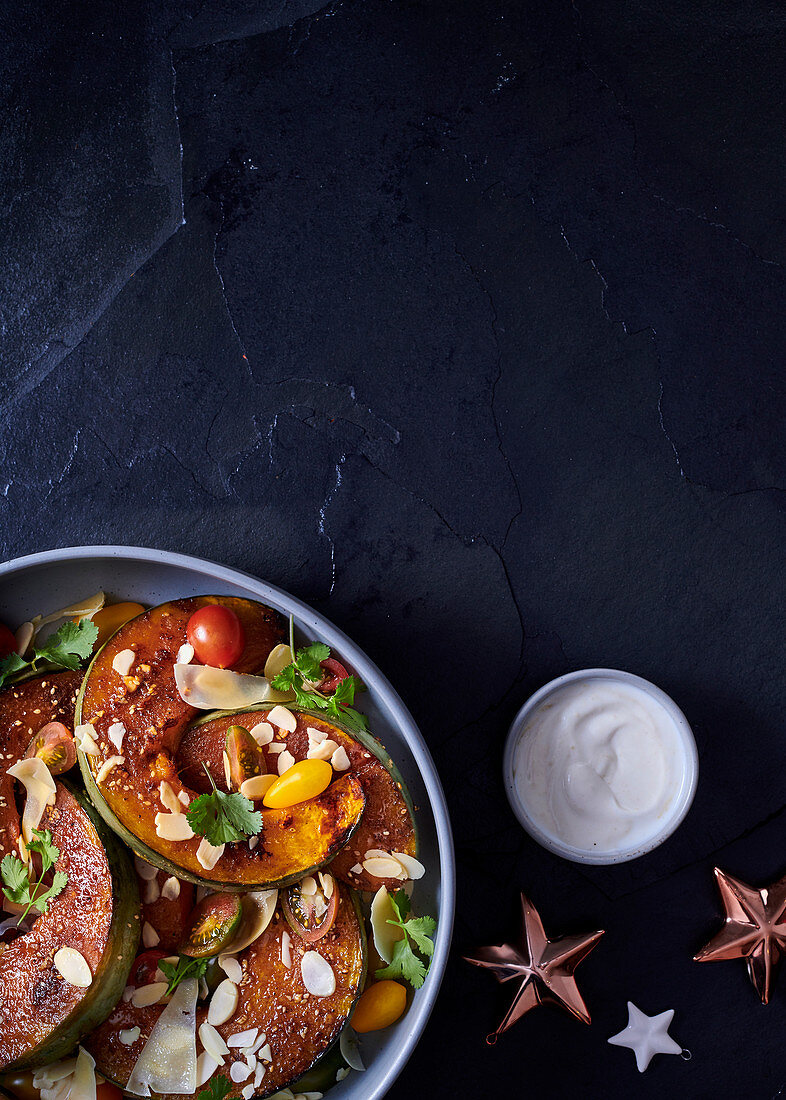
{"x": 377, "y": 852}
{"x": 262, "y": 733}
{"x": 185, "y": 654}
{"x": 328, "y": 884}
{"x": 170, "y": 891}
{"x": 206, "y": 1067}
{"x": 231, "y": 967}
{"x": 285, "y": 761}
{"x": 260, "y": 1042}
{"x": 151, "y": 892}
{"x": 85, "y": 737}
{"x": 83, "y": 1083}
{"x": 83, "y": 609}
{"x": 116, "y": 733}
{"x": 169, "y": 799}
{"x": 227, "y": 770}
{"x": 413, "y": 867}
{"x": 123, "y": 662}
{"x": 315, "y": 736}
{"x": 286, "y": 949}
{"x": 223, "y": 1003}
{"x": 173, "y": 827}
{"x": 277, "y": 746}
{"x": 384, "y": 867}
{"x": 213, "y": 1042}
{"x": 150, "y": 938}
{"x": 183, "y": 798}
{"x": 107, "y": 767}
{"x": 239, "y": 1072}
{"x": 256, "y": 787}
{"x": 73, "y": 967}
{"x": 323, "y": 751}
{"x": 129, "y": 1035}
{"x": 339, "y": 761}
{"x": 168, "y": 1061}
{"x": 317, "y": 974}
{"x": 209, "y": 854}
{"x": 46, "y": 1076}
{"x": 252, "y": 843}
{"x": 245, "y": 1038}
{"x": 251, "y": 1060}
{"x": 259, "y": 1073}
{"x": 145, "y": 870}
{"x": 308, "y": 885}
{"x": 342, "y": 1073}
{"x": 247, "y": 1091}
{"x": 356, "y": 869}
{"x": 128, "y": 993}
{"x": 282, "y": 718}
{"x": 24, "y": 637}
{"x": 266, "y": 1054}
{"x": 150, "y": 994}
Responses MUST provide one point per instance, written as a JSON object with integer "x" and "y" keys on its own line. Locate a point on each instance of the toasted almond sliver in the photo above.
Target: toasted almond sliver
{"x": 339, "y": 761}
{"x": 286, "y": 949}
{"x": 317, "y": 974}
{"x": 262, "y": 733}
{"x": 73, "y": 967}
{"x": 283, "y": 718}
{"x": 116, "y": 733}
{"x": 148, "y": 995}
{"x": 107, "y": 767}
{"x": 170, "y": 891}
{"x": 123, "y": 661}
{"x": 384, "y": 867}
{"x": 285, "y": 761}
{"x": 315, "y": 736}
{"x": 413, "y": 867}
{"x": 277, "y": 747}
{"x": 206, "y": 1067}
{"x": 151, "y": 892}
{"x": 245, "y": 1038}
{"x": 145, "y": 870}
{"x": 231, "y": 967}
{"x": 129, "y": 1035}
{"x": 173, "y": 827}
{"x": 169, "y": 799}
{"x": 213, "y": 1042}
{"x": 257, "y": 786}
{"x": 185, "y": 654}
{"x": 308, "y": 885}
{"x": 150, "y": 938}
{"x": 356, "y": 869}
{"x": 85, "y": 737}
{"x": 328, "y": 884}
{"x": 209, "y": 854}
{"x": 223, "y": 1003}
{"x": 183, "y": 798}
{"x": 324, "y": 751}
{"x": 239, "y": 1072}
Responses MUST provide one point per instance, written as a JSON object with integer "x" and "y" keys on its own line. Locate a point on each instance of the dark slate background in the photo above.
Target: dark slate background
{"x": 463, "y": 322}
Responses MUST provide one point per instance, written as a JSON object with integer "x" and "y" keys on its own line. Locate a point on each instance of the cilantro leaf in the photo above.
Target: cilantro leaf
{"x": 17, "y": 884}
{"x": 223, "y": 818}
{"x": 406, "y": 963}
{"x": 70, "y": 644}
{"x": 184, "y": 968}
{"x": 301, "y": 676}
{"x": 9, "y": 665}
{"x": 217, "y": 1089}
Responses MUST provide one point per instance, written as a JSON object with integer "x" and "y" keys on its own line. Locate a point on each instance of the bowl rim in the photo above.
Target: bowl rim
{"x": 425, "y": 998}
{"x": 683, "y": 799}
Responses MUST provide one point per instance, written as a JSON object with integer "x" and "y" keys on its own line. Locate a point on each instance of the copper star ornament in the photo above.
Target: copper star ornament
{"x": 543, "y": 967}
{"x": 755, "y": 929}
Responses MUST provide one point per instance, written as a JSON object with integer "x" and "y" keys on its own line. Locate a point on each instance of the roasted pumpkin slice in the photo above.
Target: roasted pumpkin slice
{"x": 388, "y": 822}
{"x": 97, "y": 914}
{"x": 137, "y": 714}
{"x": 299, "y": 1026}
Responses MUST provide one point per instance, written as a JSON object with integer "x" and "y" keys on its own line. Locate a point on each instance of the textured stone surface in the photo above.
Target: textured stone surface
{"x": 464, "y": 323}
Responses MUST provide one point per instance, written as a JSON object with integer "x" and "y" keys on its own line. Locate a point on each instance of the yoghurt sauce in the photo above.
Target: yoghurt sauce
{"x": 599, "y": 765}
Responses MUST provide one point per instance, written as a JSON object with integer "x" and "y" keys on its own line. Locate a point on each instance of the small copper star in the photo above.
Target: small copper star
{"x": 755, "y": 929}
{"x": 545, "y": 968}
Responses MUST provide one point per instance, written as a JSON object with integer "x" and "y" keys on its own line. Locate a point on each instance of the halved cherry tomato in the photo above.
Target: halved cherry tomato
{"x": 301, "y": 910}
{"x": 334, "y": 674}
{"x": 379, "y": 1006}
{"x": 143, "y": 969}
{"x": 112, "y": 617}
{"x": 7, "y": 641}
{"x": 54, "y": 744}
{"x": 217, "y": 636}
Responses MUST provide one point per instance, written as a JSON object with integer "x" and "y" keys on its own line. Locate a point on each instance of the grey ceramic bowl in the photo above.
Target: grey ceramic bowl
{"x": 55, "y": 578}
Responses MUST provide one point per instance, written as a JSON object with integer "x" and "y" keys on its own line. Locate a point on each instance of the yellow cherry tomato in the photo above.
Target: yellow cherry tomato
{"x": 112, "y": 617}
{"x": 302, "y": 781}
{"x": 380, "y": 1006}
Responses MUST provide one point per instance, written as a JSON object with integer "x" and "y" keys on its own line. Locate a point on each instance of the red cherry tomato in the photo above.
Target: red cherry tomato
{"x": 335, "y": 673}
{"x": 143, "y": 969}
{"x": 217, "y": 636}
{"x": 7, "y": 641}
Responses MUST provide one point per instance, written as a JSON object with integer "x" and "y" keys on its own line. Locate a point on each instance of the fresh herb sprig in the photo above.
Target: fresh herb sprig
{"x": 217, "y": 1089}
{"x": 68, "y": 647}
{"x": 18, "y": 886}
{"x": 175, "y": 973}
{"x": 223, "y": 818}
{"x": 302, "y": 678}
{"x": 406, "y": 962}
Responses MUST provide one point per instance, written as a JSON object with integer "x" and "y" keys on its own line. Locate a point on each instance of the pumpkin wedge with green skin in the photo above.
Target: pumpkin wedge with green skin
{"x": 299, "y": 1027}
{"x": 42, "y": 1016}
{"x": 154, "y": 718}
{"x": 388, "y": 822}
